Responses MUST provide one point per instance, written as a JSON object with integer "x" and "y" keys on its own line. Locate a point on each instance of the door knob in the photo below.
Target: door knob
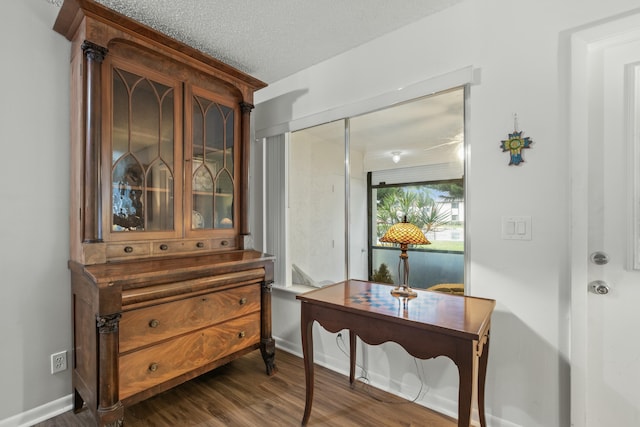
{"x": 599, "y": 287}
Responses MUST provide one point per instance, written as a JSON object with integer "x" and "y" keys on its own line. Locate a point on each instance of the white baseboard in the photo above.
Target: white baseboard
{"x": 40, "y": 413}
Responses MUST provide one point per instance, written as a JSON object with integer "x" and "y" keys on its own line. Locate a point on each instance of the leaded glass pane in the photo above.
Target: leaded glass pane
{"x": 213, "y": 139}
{"x": 159, "y": 197}
{"x": 214, "y": 129}
{"x": 120, "y": 129}
{"x": 224, "y": 201}
{"x": 167, "y": 129}
{"x": 128, "y": 203}
{"x": 145, "y": 122}
{"x": 142, "y": 154}
{"x": 229, "y": 142}
{"x": 202, "y": 215}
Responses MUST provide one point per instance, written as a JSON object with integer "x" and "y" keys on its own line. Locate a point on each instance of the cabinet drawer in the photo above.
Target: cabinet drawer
{"x": 148, "y": 325}
{"x": 127, "y": 250}
{"x": 228, "y": 243}
{"x": 177, "y": 247}
{"x": 154, "y": 365}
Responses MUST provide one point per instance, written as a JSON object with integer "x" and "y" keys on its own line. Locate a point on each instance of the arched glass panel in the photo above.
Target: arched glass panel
{"x": 142, "y": 154}
{"x": 212, "y": 162}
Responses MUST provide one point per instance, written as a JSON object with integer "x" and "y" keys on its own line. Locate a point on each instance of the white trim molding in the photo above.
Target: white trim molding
{"x": 633, "y": 117}
{"x": 39, "y": 413}
{"x": 456, "y": 78}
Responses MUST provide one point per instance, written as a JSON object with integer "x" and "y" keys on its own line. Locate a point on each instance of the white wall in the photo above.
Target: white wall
{"x": 517, "y": 46}
{"x": 34, "y": 200}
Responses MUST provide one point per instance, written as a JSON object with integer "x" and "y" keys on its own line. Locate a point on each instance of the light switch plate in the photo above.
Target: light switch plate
{"x": 516, "y": 227}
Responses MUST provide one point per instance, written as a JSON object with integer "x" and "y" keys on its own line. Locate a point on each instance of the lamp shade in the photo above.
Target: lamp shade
{"x": 405, "y": 233}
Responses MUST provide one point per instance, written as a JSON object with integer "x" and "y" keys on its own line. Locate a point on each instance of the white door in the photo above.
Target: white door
{"x": 605, "y": 123}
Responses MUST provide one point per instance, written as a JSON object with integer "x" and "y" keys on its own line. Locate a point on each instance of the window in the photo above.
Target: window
{"x": 429, "y": 206}
{"x": 318, "y": 182}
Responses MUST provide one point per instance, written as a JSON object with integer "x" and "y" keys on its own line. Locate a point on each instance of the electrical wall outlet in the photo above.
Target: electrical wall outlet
{"x": 58, "y": 362}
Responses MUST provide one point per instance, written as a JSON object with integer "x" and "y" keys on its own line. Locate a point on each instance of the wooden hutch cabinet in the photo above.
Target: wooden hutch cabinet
{"x": 163, "y": 289}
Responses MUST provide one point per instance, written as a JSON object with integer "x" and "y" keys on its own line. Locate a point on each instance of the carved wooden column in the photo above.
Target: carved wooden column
{"x": 92, "y": 205}
{"x": 267, "y": 343}
{"x": 245, "y": 144}
{"x": 110, "y": 408}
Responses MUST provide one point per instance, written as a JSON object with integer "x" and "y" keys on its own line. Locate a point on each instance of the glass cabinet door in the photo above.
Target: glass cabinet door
{"x": 144, "y": 166}
{"x": 213, "y": 136}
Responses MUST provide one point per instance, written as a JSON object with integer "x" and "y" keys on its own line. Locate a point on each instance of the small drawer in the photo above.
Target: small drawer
{"x": 148, "y": 325}
{"x": 227, "y": 243}
{"x": 154, "y": 365}
{"x": 127, "y": 250}
{"x": 175, "y": 247}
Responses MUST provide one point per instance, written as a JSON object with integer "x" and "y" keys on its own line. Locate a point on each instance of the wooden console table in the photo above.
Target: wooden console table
{"x": 433, "y": 324}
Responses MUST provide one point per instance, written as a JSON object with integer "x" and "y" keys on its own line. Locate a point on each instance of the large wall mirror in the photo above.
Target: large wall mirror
{"x": 347, "y": 181}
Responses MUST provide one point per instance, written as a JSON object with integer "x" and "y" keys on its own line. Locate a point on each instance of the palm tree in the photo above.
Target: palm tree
{"x": 396, "y": 203}
{"x": 415, "y": 204}
{"x": 433, "y": 218}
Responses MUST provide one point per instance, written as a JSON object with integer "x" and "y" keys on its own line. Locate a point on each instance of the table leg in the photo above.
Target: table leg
{"x": 465, "y": 390}
{"x": 482, "y": 374}
{"x": 352, "y": 357}
{"x": 306, "y": 325}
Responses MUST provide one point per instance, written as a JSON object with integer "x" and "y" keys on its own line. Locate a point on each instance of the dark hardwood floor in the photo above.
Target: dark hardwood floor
{"x": 241, "y": 394}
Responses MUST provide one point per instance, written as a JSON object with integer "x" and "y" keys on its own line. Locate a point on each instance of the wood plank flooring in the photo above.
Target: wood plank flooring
{"x": 241, "y": 394}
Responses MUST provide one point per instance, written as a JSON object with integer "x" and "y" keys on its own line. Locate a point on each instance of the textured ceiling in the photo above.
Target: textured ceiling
{"x": 272, "y": 39}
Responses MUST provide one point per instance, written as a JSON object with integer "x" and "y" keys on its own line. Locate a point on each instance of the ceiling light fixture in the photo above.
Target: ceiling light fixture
{"x": 395, "y": 156}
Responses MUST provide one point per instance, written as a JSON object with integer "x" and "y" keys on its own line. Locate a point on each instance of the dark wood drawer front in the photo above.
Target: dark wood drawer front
{"x": 145, "y": 326}
{"x": 127, "y": 250}
{"x": 154, "y": 365}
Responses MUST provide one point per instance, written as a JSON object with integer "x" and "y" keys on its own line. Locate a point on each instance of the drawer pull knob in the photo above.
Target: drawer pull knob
{"x": 154, "y": 323}
{"x": 128, "y": 249}
{"x": 241, "y": 334}
{"x": 243, "y": 301}
{"x": 224, "y": 243}
{"x": 153, "y": 367}
{"x": 200, "y": 245}
{"x": 164, "y": 247}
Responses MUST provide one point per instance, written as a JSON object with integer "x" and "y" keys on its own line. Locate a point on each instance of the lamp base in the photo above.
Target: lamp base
{"x": 404, "y": 292}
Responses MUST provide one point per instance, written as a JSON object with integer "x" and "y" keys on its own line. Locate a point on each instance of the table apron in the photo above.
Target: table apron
{"x": 418, "y": 342}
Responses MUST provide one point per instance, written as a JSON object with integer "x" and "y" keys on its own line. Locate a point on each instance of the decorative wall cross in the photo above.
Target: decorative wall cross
{"x": 515, "y": 144}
